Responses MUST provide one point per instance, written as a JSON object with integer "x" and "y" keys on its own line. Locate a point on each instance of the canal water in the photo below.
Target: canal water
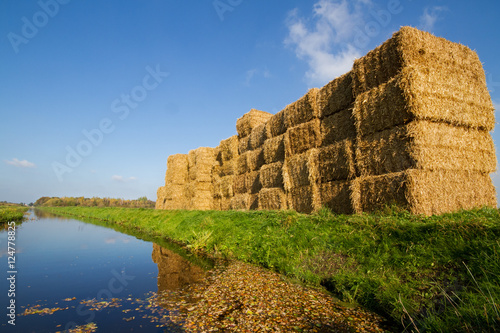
{"x": 77, "y": 276}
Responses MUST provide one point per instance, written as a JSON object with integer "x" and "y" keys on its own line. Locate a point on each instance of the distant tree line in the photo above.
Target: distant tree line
{"x": 142, "y": 202}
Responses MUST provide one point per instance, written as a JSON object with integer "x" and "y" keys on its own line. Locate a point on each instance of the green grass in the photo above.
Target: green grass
{"x": 10, "y": 213}
{"x": 432, "y": 274}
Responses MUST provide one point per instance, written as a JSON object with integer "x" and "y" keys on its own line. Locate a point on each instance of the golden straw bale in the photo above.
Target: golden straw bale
{"x": 301, "y": 170}
{"x": 253, "y": 201}
{"x": 460, "y": 100}
{"x": 177, "y": 204}
{"x": 336, "y": 196}
{"x": 426, "y": 145}
{"x": 276, "y": 124}
{"x": 303, "y": 137}
{"x": 410, "y": 47}
{"x": 216, "y": 188}
{"x": 175, "y": 192}
{"x": 272, "y": 199}
{"x": 160, "y": 197}
{"x": 240, "y": 202}
{"x": 216, "y": 204}
{"x": 427, "y": 192}
{"x": 337, "y": 95}
{"x": 274, "y": 149}
{"x": 255, "y": 159}
{"x": 192, "y": 189}
{"x": 304, "y": 199}
{"x": 243, "y": 145}
{"x": 250, "y": 120}
{"x": 226, "y": 186}
{"x": 258, "y": 136}
{"x": 338, "y": 127}
{"x": 228, "y": 168}
{"x": 225, "y": 203}
{"x": 337, "y": 162}
{"x": 271, "y": 175}
{"x": 240, "y": 184}
{"x": 242, "y": 166}
{"x": 253, "y": 182}
{"x": 177, "y": 169}
{"x": 202, "y": 200}
{"x": 303, "y": 110}
{"x": 228, "y": 149}
{"x": 201, "y": 162}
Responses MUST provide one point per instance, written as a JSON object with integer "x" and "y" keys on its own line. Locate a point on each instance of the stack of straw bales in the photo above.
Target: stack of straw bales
{"x": 408, "y": 125}
{"x": 423, "y": 115}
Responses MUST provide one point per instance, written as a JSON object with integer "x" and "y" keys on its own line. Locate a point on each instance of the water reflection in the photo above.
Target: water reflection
{"x": 174, "y": 271}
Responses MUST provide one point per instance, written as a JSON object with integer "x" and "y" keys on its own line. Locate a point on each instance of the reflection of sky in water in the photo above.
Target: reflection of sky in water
{"x": 60, "y": 258}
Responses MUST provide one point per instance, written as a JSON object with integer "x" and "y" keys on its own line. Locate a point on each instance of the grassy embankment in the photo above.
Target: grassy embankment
{"x": 436, "y": 273}
{"x": 9, "y": 212}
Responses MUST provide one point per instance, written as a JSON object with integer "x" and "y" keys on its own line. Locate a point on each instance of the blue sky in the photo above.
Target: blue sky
{"x": 95, "y": 95}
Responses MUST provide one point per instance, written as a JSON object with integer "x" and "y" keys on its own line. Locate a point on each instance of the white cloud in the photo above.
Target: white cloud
{"x": 328, "y": 47}
{"x": 21, "y": 164}
{"x": 430, "y": 17}
{"x": 122, "y": 179}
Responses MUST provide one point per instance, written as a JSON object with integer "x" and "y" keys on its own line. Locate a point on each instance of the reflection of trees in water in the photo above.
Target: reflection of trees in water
{"x": 174, "y": 272}
{"x": 44, "y": 214}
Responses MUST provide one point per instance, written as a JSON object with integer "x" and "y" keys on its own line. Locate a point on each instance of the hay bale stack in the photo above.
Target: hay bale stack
{"x": 272, "y": 199}
{"x": 255, "y": 159}
{"x": 303, "y": 137}
{"x": 336, "y": 196}
{"x": 228, "y": 149}
{"x": 426, "y": 192}
{"x": 276, "y": 124}
{"x": 416, "y": 76}
{"x": 336, "y": 96}
{"x": 257, "y": 137}
{"x": 337, "y": 162}
{"x": 240, "y": 202}
{"x": 274, "y": 149}
{"x": 304, "y": 199}
{"x": 426, "y": 145}
{"x": 303, "y": 110}
{"x": 271, "y": 175}
{"x": 250, "y": 120}
{"x": 177, "y": 169}
{"x": 160, "y": 198}
{"x": 337, "y": 127}
{"x": 200, "y": 164}
{"x": 301, "y": 170}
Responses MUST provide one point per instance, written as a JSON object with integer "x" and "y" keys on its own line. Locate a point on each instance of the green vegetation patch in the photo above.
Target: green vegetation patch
{"x": 437, "y": 273}
{"x": 10, "y": 213}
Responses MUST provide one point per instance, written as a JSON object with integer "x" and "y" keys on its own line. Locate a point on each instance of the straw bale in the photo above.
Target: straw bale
{"x": 242, "y": 166}
{"x": 192, "y": 189}
{"x": 337, "y": 162}
{"x": 274, "y": 149}
{"x": 276, "y": 124}
{"x": 160, "y": 197}
{"x": 272, "y": 199}
{"x": 202, "y": 200}
{"x": 255, "y": 159}
{"x": 253, "y": 182}
{"x": 258, "y": 136}
{"x": 304, "y": 199}
{"x": 228, "y": 149}
{"x": 226, "y": 186}
{"x": 338, "y": 127}
{"x": 426, "y": 145}
{"x": 175, "y": 192}
{"x": 337, "y": 95}
{"x": 301, "y": 170}
{"x": 336, "y": 196}
{"x": 244, "y": 145}
{"x": 216, "y": 188}
{"x": 410, "y": 47}
{"x": 200, "y": 163}
{"x": 216, "y": 204}
{"x": 303, "y": 137}
{"x": 428, "y": 192}
{"x": 177, "y": 169}
{"x": 271, "y": 175}
{"x": 240, "y": 184}
{"x": 240, "y": 202}
{"x": 225, "y": 203}
{"x": 458, "y": 99}
{"x": 303, "y": 110}
{"x": 250, "y": 120}
{"x": 227, "y": 168}
{"x": 177, "y": 204}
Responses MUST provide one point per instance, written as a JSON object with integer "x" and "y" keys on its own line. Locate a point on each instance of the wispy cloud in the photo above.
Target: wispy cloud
{"x": 21, "y": 164}
{"x": 122, "y": 179}
{"x": 251, "y": 73}
{"x": 328, "y": 45}
{"x": 430, "y": 17}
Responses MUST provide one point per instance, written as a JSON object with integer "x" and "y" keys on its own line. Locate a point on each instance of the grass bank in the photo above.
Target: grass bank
{"x": 10, "y": 213}
{"x": 436, "y": 273}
